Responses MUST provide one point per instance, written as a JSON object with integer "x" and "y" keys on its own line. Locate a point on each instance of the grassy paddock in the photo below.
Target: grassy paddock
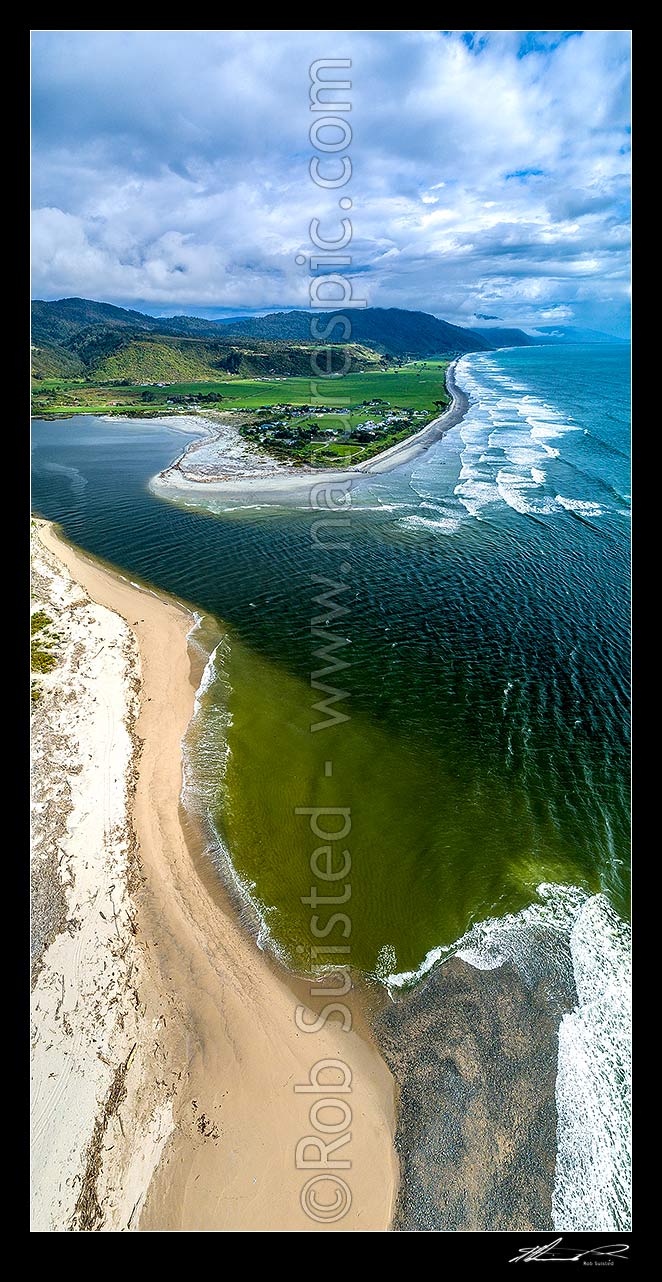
{"x": 416, "y": 385}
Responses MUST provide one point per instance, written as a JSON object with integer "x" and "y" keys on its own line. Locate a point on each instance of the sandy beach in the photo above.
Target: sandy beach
{"x": 234, "y": 471}
{"x": 87, "y": 1045}
{"x": 194, "y": 1123}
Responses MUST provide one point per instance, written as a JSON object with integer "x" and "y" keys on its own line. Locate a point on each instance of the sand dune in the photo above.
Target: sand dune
{"x": 218, "y": 1049}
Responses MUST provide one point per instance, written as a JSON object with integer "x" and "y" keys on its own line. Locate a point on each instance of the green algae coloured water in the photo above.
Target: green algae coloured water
{"x": 425, "y": 860}
{"x": 486, "y": 630}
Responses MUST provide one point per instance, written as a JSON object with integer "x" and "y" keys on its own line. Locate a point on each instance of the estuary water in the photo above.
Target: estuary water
{"x": 461, "y": 643}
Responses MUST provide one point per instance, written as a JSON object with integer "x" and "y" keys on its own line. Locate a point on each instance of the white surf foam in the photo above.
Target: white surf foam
{"x": 540, "y": 434}
{"x": 205, "y": 756}
{"x": 521, "y": 492}
{"x": 491, "y": 942}
{"x": 582, "y": 506}
{"x": 592, "y": 1179}
{"x": 209, "y": 672}
{"x": 592, "y": 1185}
{"x": 447, "y": 524}
{"x": 507, "y": 442}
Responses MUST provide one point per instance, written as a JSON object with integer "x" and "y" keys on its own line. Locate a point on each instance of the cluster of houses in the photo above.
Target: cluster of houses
{"x": 370, "y": 425}
{"x": 275, "y": 430}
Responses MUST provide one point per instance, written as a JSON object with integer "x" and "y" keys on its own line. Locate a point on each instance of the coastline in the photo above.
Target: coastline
{"x": 521, "y": 1019}
{"x": 218, "y": 1047}
{"x": 414, "y": 445}
{"x": 204, "y": 1136}
{"x": 272, "y": 482}
{"x": 485, "y": 1041}
{"x": 85, "y": 960}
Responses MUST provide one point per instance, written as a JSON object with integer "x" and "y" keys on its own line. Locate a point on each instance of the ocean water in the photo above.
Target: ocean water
{"x": 474, "y": 632}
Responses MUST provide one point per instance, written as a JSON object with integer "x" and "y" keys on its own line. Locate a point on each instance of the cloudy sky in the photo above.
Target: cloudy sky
{"x": 490, "y": 171}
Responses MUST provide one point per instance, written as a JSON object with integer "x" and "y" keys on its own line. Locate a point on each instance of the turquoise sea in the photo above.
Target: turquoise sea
{"x": 474, "y": 632}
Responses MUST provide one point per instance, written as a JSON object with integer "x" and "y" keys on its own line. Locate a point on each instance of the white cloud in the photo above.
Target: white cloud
{"x": 172, "y": 168}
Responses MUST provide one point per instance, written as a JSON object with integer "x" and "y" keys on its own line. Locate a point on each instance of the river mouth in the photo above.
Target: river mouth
{"x": 485, "y": 618}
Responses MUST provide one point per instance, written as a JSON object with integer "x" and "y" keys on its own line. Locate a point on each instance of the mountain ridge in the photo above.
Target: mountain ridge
{"x": 78, "y": 337}
{"x": 395, "y": 331}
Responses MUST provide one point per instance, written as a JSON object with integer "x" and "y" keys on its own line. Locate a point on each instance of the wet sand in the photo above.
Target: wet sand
{"x": 472, "y": 1054}
{"x": 475, "y": 1055}
{"x": 218, "y": 1034}
{"x": 269, "y": 482}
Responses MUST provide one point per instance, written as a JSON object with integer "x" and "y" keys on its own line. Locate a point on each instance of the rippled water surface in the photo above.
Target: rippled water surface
{"x": 484, "y": 592}
{"x": 476, "y": 627}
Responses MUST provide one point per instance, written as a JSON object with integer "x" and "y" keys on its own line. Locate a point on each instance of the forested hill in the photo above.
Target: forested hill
{"x": 392, "y": 331}
{"x": 78, "y": 337}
